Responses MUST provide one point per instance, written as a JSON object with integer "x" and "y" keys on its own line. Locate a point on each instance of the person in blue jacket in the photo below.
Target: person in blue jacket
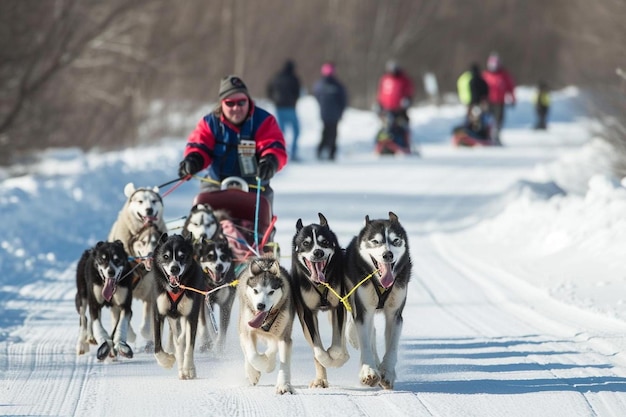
{"x": 333, "y": 99}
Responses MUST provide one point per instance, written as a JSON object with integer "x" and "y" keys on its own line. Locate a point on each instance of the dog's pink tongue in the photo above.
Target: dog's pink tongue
{"x": 258, "y": 320}
{"x": 109, "y": 289}
{"x": 319, "y": 271}
{"x": 386, "y": 275}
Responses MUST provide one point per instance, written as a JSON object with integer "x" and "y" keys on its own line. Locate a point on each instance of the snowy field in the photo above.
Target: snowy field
{"x": 517, "y": 304}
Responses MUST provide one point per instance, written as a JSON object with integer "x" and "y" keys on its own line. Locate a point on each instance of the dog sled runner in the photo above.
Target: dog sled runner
{"x": 254, "y": 222}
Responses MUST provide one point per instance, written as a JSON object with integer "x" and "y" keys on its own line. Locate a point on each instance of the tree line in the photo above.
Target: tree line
{"x": 90, "y": 74}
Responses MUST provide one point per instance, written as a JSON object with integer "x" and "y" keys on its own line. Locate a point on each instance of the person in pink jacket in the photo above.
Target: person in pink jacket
{"x": 501, "y": 92}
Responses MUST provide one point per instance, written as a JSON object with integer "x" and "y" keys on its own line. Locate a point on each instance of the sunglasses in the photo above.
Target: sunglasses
{"x": 232, "y": 103}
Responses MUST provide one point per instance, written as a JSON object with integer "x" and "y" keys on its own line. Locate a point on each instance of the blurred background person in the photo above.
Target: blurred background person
{"x": 542, "y": 105}
{"x": 332, "y": 98}
{"x": 501, "y": 92}
{"x": 284, "y": 90}
{"x": 395, "y": 92}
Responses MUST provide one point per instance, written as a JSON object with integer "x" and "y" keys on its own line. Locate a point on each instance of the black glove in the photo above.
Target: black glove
{"x": 267, "y": 167}
{"x": 190, "y": 165}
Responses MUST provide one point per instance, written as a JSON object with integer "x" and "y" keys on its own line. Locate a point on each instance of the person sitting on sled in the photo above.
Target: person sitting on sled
{"x": 237, "y": 139}
{"x": 476, "y": 130}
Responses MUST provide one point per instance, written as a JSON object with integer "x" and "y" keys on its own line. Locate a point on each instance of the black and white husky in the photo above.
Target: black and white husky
{"x": 216, "y": 259}
{"x": 103, "y": 279}
{"x": 381, "y": 250}
{"x": 316, "y": 265}
{"x": 266, "y": 314}
{"x": 174, "y": 268}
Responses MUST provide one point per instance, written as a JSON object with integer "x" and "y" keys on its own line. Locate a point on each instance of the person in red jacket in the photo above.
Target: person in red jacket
{"x": 236, "y": 139}
{"x": 501, "y": 92}
{"x": 395, "y": 92}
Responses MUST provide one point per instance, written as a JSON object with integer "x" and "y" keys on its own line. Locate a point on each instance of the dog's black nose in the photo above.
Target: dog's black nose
{"x": 175, "y": 269}
{"x": 318, "y": 253}
{"x": 219, "y": 268}
{"x": 388, "y": 256}
{"x": 260, "y": 307}
{"x": 149, "y": 211}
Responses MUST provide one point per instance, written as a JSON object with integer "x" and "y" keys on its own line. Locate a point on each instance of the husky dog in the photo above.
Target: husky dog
{"x": 103, "y": 279}
{"x": 143, "y": 205}
{"x": 201, "y": 223}
{"x": 142, "y": 213}
{"x": 174, "y": 266}
{"x": 142, "y": 247}
{"x": 380, "y": 250}
{"x": 316, "y": 263}
{"x": 266, "y": 313}
{"x": 216, "y": 259}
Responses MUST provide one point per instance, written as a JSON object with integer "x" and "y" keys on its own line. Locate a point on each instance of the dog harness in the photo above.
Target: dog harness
{"x": 269, "y": 321}
{"x": 383, "y": 294}
{"x": 174, "y": 299}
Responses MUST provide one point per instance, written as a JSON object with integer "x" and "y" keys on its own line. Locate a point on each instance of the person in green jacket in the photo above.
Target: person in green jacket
{"x": 542, "y": 106}
{"x": 472, "y": 88}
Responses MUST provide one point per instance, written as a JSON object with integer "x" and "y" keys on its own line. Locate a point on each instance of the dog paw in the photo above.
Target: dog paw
{"x": 339, "y": 356}
{"x": 103, "y": 351}
{"x": 123, "y": 349}
{"x": 189, "y": 373}
{"x": 284, "y": 389}
{"x": 369, "y": 376}
{"x": 82, "y": 348}
{"x": 253, "y": 375}
{"x": 164, "y": 359}
{"x": 387, "y": 378}
{"x": 319, "y": 383}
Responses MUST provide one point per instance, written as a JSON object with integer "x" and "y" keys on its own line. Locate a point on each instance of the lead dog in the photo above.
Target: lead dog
{"x": 381, "y": 250}
{"x": 175, "y": 267}
{"x": 266, "y": 313}
{"x": 103, "y": 280}
{"x": 316, "y": 264}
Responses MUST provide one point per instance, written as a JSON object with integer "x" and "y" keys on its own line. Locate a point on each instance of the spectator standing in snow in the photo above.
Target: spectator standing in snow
{"x": 284, "y": 90}
{"x": 542, "y": 106}
{"x": 395, "y": 92}
{"x": 501, "y": 92}
{"x": 332, "y": 98}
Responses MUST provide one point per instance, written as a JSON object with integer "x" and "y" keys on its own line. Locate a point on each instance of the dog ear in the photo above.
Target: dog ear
{"x": 367, "y": 219}
{"x": 129, "y": 189}
{"x": 155, "y": 189}
{"x": 99, "y": 244}
{"x": 393, "y": 217}
{"x": 323, "y": 221}
{"x": 299, "y": 225}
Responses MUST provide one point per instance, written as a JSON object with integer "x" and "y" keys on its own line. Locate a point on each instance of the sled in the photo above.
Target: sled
{"x": 241, "y": 206}
{"x": 394, "y": 137}
{"x": 462, "y": 138}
